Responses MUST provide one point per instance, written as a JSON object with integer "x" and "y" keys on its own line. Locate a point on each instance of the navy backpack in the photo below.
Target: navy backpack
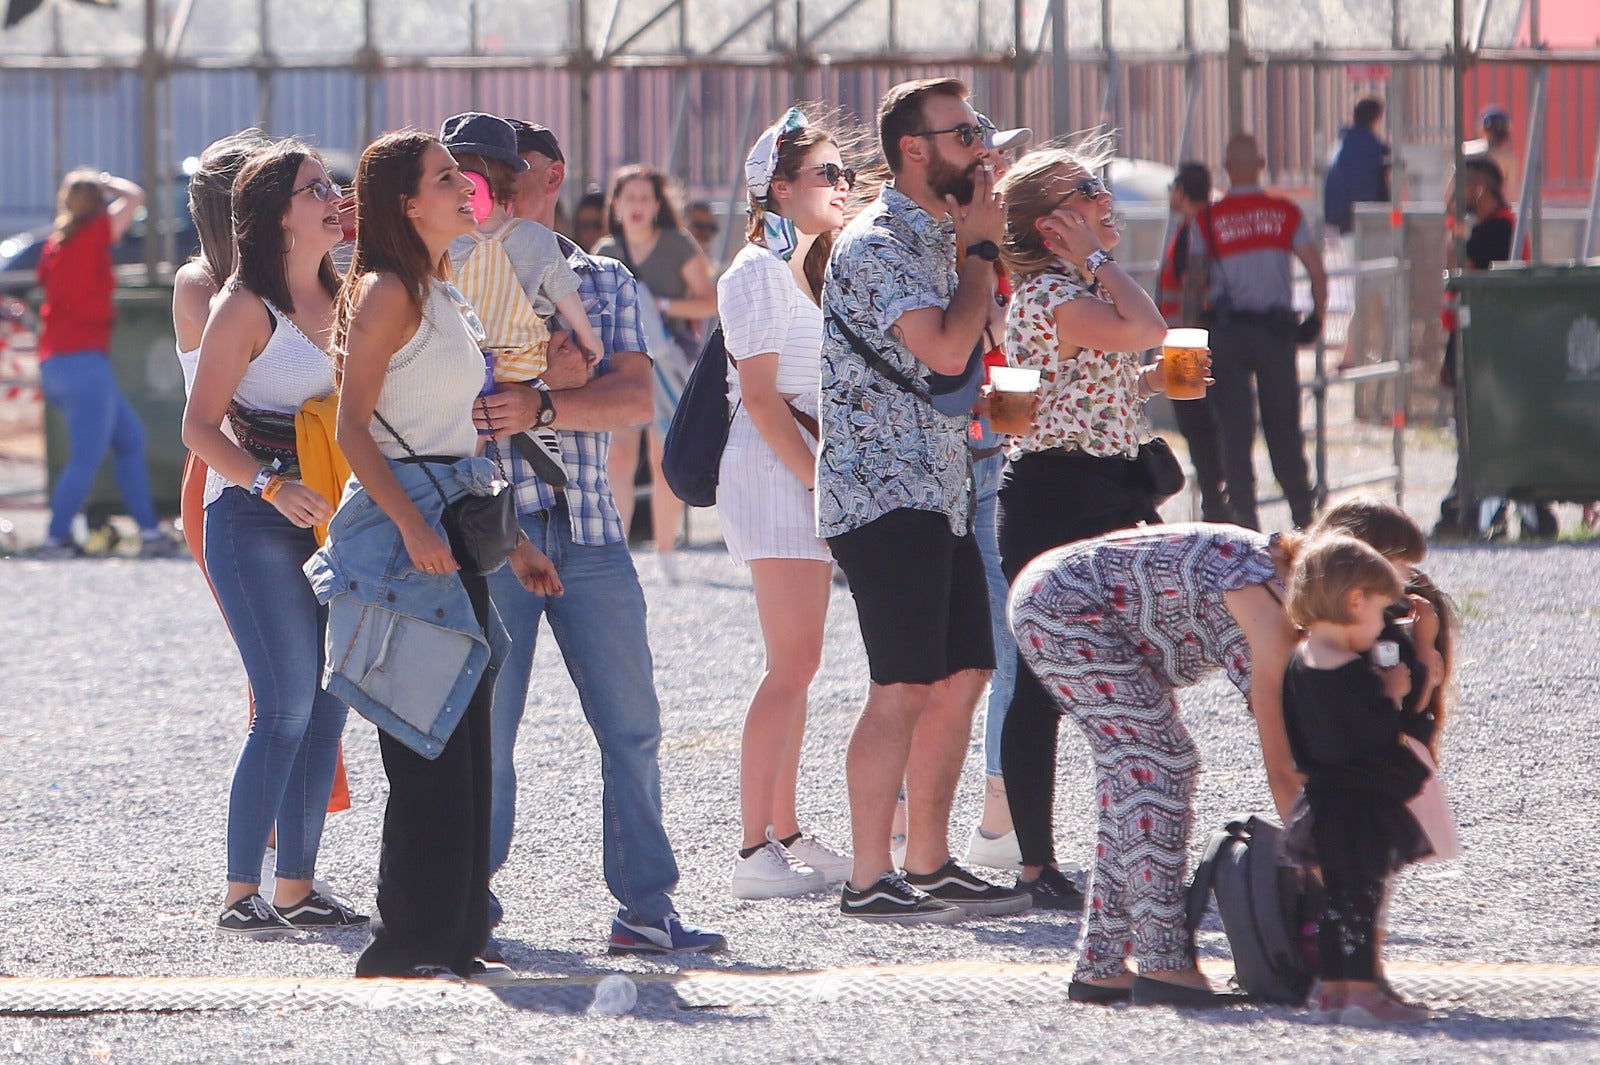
{"x": 692, "y": 453}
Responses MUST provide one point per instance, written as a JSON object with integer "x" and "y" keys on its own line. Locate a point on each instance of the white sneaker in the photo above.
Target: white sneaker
{"x": 994, "y": 852}
{"x": 773, "y": 873}
{"x": 667, "y": 563}
{"x": 829, "y": 861}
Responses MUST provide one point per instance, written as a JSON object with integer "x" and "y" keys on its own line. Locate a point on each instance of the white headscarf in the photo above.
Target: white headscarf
{"x": 762, "y": 162}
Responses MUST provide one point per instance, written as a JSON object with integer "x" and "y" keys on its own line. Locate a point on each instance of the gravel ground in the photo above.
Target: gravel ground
{"x": 122, "y": 703}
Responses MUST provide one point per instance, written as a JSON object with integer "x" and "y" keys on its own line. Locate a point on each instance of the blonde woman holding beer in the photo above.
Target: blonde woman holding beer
{"x": 1081, "y": 321}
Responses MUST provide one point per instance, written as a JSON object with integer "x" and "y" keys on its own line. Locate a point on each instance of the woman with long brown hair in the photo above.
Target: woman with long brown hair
{"x": 772, "y": 321}
{"x": 93, "y": 211}
{"x": 262, "y": 356}
{"x": 411, "y": 369}
{"x": 674, "y": 278}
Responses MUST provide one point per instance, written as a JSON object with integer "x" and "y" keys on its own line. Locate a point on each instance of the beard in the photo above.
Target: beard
{"x": 946, "y": 179}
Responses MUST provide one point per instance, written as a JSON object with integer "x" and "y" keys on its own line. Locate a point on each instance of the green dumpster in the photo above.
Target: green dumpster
{"x": 144, "y": 358}
{"x": 1530, "y": 381}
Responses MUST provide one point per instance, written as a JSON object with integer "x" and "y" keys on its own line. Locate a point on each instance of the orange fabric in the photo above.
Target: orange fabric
{"x": 191, "y": 508}
{"x": 323, "y": 468}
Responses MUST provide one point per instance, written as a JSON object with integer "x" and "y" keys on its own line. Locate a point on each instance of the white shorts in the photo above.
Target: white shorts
{"x": 765, "y": 512}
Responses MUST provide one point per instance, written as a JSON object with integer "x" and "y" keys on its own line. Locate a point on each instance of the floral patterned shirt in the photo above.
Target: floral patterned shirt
{"x": 882, "y": 448}
{"x": 1089, "y": 403}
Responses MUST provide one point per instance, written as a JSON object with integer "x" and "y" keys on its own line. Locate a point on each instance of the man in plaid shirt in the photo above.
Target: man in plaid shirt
{"x": 599, "y": 622}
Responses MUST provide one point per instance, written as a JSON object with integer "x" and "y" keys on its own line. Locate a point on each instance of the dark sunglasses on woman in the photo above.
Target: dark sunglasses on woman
{"x": 833, "y": 173}
{"x": 1088, "y": 188}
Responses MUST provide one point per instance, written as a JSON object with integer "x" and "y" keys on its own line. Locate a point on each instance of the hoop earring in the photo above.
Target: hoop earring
{"x": 290, "y": 234}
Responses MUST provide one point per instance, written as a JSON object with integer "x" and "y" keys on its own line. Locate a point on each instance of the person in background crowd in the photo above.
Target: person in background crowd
{"x": 1240, "y": 282}
{"x": 1494, "y": 226}
{"x": 599, "y": 620}
{"x": 93, "y": 211}
{"x": 1359, "y": 169}
{"x": 894, "y": 495}
{"x": 646, "y": 237}
{"x": 1496, "y": 126}
{"x": 703, "y": 227}
{"x": 994, "y": 840}
{"x": 263, "y": 355}
{"x": 195, "y": 285}
{"x": 589, "y": 219}
{"x": 1081, "y": 320}
{"x": 411, "y": 371}
{"x": 798, "y": 185}
{"x": 1197, "y": 420}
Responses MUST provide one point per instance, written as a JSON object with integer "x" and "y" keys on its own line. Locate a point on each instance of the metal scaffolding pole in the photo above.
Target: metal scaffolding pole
{"x": 1060, "y": 86}
{"x": 581, "y": 63}
{"x": 156, "y": 205}
{"x": 1591, "y": 228}
{"x": 1237, "y": 60}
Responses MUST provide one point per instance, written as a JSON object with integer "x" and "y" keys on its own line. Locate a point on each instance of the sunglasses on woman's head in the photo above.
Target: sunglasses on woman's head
{"x": 833, "y": 173}
{"x": 322, "y": 190}
{"x": 966, "y": 133}
{"x": 1088, "y": 188}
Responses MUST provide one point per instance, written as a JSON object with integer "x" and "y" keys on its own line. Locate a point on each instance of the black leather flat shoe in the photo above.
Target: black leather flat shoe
{"x": 1097, "y": 994}
{"x": 1149, "y": 992}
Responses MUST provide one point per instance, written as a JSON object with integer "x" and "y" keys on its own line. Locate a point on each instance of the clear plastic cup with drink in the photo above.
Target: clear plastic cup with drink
{"x": 1183, "y": 359}
{"x": 1011, "y": 399}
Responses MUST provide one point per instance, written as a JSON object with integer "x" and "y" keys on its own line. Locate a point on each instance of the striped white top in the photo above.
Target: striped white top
{"x": 763, "y": 311}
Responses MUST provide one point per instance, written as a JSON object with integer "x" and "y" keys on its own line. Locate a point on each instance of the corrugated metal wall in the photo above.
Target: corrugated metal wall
{"x": 93, "y": 120}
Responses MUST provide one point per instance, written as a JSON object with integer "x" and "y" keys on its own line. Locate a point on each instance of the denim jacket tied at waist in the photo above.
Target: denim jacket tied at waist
{"x": 404, "y": 647}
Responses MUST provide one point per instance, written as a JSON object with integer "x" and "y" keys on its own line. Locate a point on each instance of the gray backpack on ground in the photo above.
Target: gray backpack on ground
{"x": 1268, "y": 909}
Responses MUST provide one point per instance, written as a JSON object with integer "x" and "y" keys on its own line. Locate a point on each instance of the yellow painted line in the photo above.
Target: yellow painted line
{"x": 965, "y": 981}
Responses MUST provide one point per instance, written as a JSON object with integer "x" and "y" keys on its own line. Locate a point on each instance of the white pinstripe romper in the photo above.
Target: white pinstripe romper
{"x": 764, "y": 510}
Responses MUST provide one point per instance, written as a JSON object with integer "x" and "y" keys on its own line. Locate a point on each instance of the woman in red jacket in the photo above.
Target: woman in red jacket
{"x": 92, "y": 211}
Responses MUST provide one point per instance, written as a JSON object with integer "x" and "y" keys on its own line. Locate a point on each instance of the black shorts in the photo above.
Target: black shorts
{"x": 920, "y": 595}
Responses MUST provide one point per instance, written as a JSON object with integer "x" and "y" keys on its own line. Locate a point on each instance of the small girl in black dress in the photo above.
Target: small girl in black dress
{"x": 1343, "y": 715}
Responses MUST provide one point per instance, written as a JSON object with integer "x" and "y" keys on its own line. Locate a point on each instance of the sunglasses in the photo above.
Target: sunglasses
{"x": 966, "y": 133}
{"x": 468, "y": 313}
{"x": 1088, "y": 188}
{"x": 989, "y": 131}
{"x": 322, "y": 190}
{"x": 833, "y": 173}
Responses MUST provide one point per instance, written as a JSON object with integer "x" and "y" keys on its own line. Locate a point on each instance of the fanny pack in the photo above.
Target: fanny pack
{"x": 266, "y": 436}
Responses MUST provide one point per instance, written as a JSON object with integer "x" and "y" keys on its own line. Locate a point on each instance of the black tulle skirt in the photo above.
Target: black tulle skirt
{"x": 1364, "y": 835}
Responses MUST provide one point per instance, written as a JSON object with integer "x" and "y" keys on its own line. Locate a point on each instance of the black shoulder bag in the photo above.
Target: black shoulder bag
{"x": 482, "y": 530}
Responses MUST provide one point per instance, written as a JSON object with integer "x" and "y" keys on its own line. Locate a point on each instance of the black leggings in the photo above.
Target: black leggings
{"x": 1347, "y": 946}
{"x": 433, "y": 870}
{"x": 1051, "y": 498}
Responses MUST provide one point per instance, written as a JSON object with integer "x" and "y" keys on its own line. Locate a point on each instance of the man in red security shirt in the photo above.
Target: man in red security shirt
{"x": 1241, "y": 275}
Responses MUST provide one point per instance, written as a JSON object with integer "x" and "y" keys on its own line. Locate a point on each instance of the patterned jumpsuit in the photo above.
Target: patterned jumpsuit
{"x": 1111, "y": 627}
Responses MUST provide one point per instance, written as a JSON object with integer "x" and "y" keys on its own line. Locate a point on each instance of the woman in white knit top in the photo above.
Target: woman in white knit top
{"x": 263, "y": 354}
{"x": 772, "y": 322}
{"x": 408, "y": 355}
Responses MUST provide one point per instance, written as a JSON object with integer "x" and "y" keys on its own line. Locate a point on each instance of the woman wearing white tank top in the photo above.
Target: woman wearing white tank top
{"x": 263, "y": 354}
{"x": 408, "y": 354}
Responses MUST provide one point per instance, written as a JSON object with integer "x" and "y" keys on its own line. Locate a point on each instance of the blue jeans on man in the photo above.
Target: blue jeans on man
{"x": 599, "y": 624}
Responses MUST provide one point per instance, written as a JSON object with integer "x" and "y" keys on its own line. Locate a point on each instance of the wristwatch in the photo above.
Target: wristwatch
{"x": 547, "y": 410}
{"x": 987, "y": 250}
{"x": 1096, "y": 259}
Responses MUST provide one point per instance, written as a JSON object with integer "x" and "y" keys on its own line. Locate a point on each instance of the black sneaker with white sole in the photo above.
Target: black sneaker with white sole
{"x": 954, "y": 885}
{"x": 317, "y": 910}
{"x": 890, "y": 900}
{"x": 1053, "y": 891}
{"x": 251, "y": 916}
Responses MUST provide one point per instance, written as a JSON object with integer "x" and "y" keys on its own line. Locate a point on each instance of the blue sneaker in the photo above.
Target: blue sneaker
{"x": 666, "y": 936}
